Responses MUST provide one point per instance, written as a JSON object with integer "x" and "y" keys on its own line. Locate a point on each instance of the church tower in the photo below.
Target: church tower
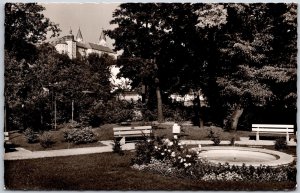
{"x": 102, "y": 39}
{"x": 79, "y": 37}
{"x": 71, "y": 45}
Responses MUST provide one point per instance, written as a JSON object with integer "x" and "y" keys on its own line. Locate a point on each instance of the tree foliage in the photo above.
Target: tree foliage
{"x": 25, "y": 26}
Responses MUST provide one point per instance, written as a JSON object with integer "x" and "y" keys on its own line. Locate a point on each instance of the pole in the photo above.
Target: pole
{"x": 55, "y": 113}
{"x": 72, "y": 111}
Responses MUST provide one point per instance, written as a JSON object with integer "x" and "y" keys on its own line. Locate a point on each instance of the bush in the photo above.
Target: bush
{"x": 214, "y": 137}
{"x": 80, "y": 135}
{"x": 30, "y": 136}
{"x": 46, "y": 140}
{"x": 280, "y": 144}
{"x": 165, "y": 150}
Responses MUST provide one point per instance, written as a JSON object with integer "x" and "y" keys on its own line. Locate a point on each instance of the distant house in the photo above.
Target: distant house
{"x": 188, "y": 99}
{"x": 129, "y": 96}
{"x": 77, "y": 47}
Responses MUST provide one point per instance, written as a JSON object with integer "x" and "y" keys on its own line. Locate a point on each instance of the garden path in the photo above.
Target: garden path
{"x": 22, "y": 153}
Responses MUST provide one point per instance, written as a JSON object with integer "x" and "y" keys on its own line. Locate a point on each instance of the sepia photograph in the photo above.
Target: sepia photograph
{"x": 150, "y": 96}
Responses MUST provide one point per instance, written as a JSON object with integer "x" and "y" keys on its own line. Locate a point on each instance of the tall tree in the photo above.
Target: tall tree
{"x": 160, "y": 38}
{"x": 250, "y": 69}
{"x": 25, "y": 26}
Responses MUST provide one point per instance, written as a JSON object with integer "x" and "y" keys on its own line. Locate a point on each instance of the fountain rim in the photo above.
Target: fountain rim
{"x": 284, "y": 158}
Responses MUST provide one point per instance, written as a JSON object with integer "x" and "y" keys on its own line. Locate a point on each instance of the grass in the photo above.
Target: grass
{"x": 108, "y": 171}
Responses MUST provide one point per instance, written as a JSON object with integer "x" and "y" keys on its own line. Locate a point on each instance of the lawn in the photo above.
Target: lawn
{"x": 108, "y": 171}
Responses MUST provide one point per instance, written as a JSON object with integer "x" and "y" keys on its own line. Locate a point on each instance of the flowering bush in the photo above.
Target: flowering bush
{"x": 172, "y": 152}
{"x": 79, "y": 135}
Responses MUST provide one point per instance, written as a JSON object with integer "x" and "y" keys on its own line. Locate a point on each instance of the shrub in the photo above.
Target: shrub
{"x": 214, "y": 137}
{"x": 280, "y": 144}
{"x": 165, "y": 150}
{"x": 46, "y": 140}
{"x": 80, "y": 135}
{"x": 30, "y": 136}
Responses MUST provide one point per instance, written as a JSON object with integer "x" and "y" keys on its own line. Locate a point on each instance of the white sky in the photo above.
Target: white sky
{"x": 90, "y": 17}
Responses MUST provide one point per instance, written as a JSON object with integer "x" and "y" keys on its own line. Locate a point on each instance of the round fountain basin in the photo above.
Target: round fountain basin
{"x": 243, "y": 155}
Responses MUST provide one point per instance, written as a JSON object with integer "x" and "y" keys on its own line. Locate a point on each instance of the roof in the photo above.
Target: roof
{"x": 79, "y": 35}
{"x": 83, "y": 45}
{"x": 59, "y": 41}
{"x": 101, "y": 48}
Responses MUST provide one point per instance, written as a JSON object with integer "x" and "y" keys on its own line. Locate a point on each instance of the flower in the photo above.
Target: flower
{"x": 175, "y": 137}
{"x": 181, "y": 147}
{"x": 170, "y": 144}
{"x": 162, "y": 153}
{"x": 173, "y": 154}
{"x": 165, "y": 149}
{"x": 148, "y": 140}
{"x": 169, "y": 150}
{"x": 188, "y": 156}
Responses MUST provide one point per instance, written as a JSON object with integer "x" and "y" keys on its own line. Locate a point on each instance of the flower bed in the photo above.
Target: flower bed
{"x": 171, "y": 158}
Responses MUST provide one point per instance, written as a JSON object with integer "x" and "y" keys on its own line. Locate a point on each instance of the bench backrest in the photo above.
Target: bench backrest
{"x": 132, "y": 131}
{"x": 273, "y": 128}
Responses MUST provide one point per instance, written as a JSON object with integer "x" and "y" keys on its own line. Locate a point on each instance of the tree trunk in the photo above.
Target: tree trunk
{"x": 236, "y": 116}
{"x": 160, "y": 116}
{"x": 198, "y": 112}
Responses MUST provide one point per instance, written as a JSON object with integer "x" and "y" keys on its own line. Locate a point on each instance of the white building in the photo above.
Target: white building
{"x": 75, "y": 47}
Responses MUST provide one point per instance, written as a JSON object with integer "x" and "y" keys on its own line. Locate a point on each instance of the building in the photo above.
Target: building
{"x": 75, "y": 47}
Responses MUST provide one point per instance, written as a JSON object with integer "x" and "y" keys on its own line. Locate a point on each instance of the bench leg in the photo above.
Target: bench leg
{"x": 287, "y": 137}
{"x": 257, "y": 136}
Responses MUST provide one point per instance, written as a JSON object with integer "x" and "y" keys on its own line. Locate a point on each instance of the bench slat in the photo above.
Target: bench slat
{"x": 272, "y": 126}
{"x": 142, "y": 127}
{"x": 272, "y": 130}
{"x": 132, "y": 132}
{"x": 122, "y": 128}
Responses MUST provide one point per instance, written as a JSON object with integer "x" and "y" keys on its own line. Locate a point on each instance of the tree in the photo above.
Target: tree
{"x": 159, "y": 42}
{"x": 250, "y": 63}
{"x": 25, "y": 26}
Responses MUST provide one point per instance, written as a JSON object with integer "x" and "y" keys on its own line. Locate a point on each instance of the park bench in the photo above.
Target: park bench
{"x": 135, "y": 132}
{"x": 273, "y": 129}
{"x": 8, "y": 145}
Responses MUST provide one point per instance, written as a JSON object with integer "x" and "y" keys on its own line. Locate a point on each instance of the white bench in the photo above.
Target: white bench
{"x": 137, "y": 131}
{"x": 278, "y": 129}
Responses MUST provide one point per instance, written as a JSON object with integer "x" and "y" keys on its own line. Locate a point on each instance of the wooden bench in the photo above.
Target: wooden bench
{"x": 137, "y": 131}
{"x": 277, "y": 129}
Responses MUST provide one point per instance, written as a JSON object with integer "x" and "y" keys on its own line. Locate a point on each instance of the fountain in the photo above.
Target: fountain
{"x": 244, "y": 155}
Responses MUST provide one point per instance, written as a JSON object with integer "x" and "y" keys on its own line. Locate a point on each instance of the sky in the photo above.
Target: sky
{"x": 89, "y": 17}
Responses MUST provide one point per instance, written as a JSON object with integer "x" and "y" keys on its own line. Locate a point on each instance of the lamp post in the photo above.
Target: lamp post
{"x": 53, "y": 100}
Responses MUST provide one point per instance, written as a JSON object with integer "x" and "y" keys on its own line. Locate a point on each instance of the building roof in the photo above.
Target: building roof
{"x": 83, "y": 45}
{"x": 94, "y": 47}
{"x": 101, "y": 48}
{"x": 59, "y": 41}
{"x": 79, "y": 36}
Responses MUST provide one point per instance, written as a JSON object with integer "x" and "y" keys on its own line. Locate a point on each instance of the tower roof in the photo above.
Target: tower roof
{"x": 102, "y": 39}
{"x": 79, "y": 37}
